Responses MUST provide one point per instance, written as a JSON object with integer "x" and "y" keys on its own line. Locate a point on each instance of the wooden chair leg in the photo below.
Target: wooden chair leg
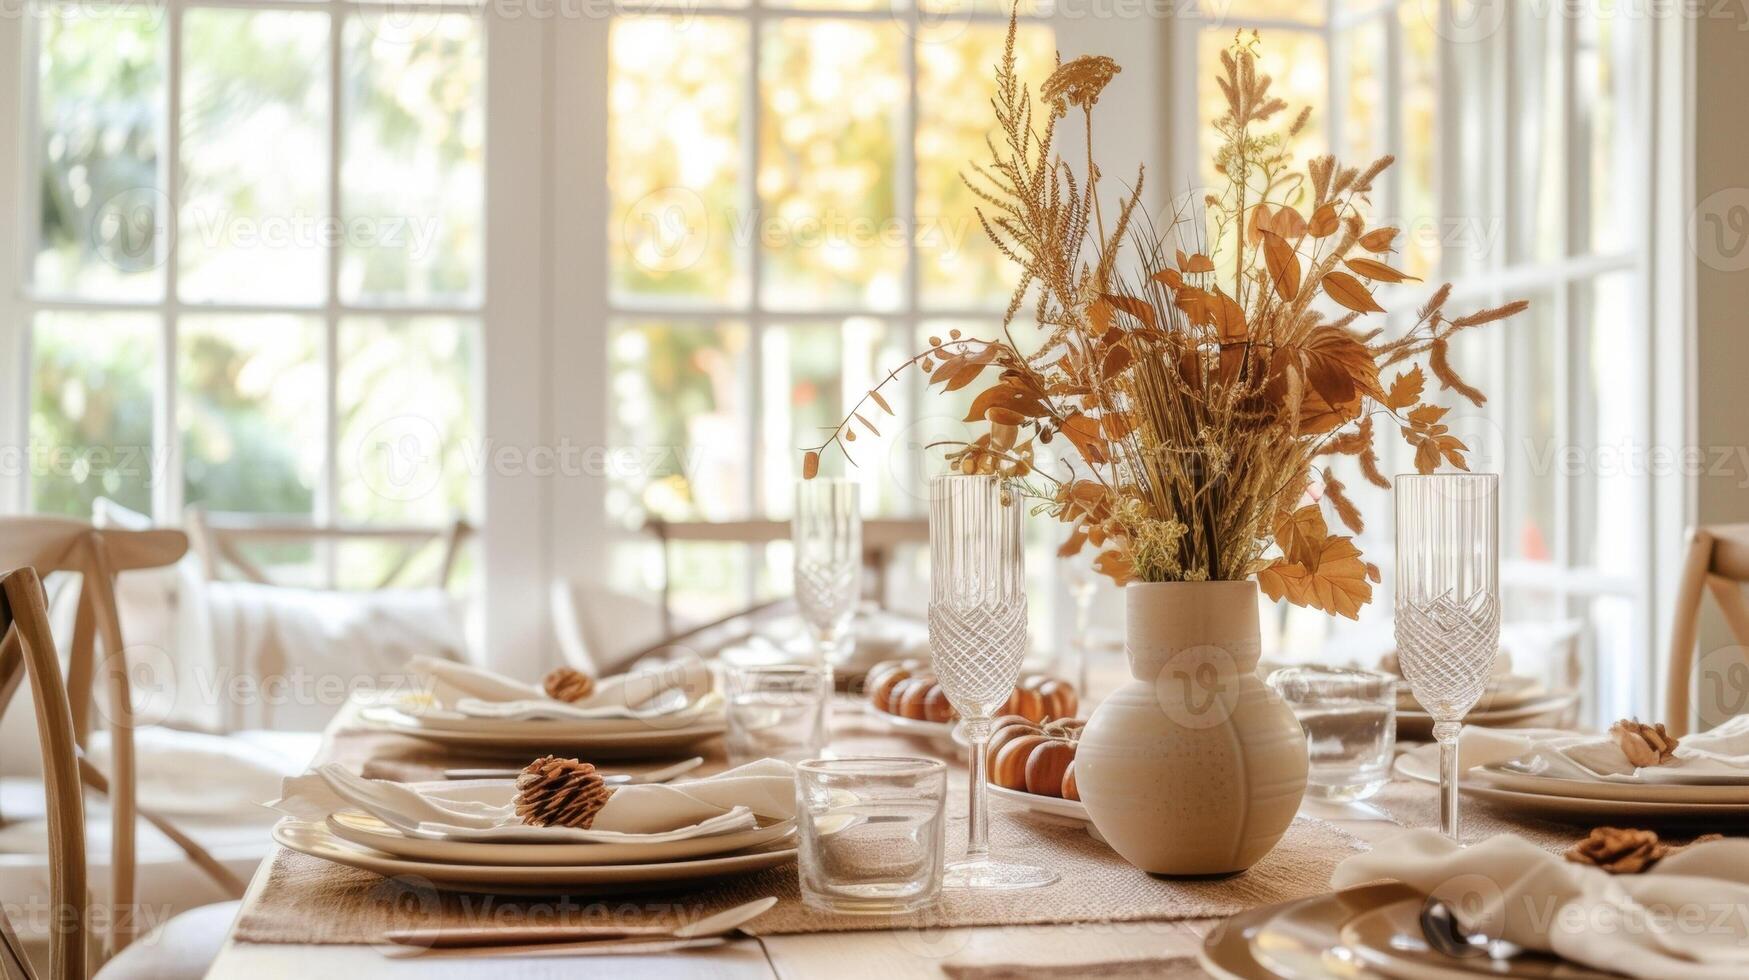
{"x": 22, "y": 608}
{"x": 1679, "y": 678}
{"x": 100, "y": 583}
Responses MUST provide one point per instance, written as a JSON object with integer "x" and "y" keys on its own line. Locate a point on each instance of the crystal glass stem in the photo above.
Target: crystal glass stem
{"x": 978, "y": 823}
{"x": 1446, "y": 732}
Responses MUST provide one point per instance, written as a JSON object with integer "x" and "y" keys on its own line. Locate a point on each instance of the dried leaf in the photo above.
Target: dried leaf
{"x": 1349, "y": 514}
{"x": 1301, "y": 534}
{"x": 810, "y": 465}
{"x": 880, "y": 400}
{"x": 1200, "y": 263}
{"x": 1084, "y": 432}
{"x": 1286, "y": 580}
{"x": 1378, "y": 240}
{"x": 1324, "y": 221}
{"x": 1347, "y": 291}
{"x": 1376, "y": 271}
{"x": 1288, "y": 224}
{"x": 1406, "y": 389}
{"x": 1438, "y": 360}
{"x": 1139, "y": 308}
{"x": 1284, "y": 265}
{"x": 1339, "y": 584}
{"x": 867, "y": 424}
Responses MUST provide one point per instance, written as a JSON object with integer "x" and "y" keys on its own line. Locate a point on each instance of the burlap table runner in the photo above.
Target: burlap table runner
{"x": 308, "y": 900}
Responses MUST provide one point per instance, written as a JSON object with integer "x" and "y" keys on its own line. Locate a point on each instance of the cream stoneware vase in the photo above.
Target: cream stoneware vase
{"x": 1193, "y": 767}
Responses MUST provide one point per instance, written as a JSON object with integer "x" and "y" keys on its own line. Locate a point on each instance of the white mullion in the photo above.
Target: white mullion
{"x": 911, "y": 310}
{"x": 78, "y": 304}
{"x": 1567, "y": 349}
{"x": 752, "y": 113}
{"x": 19, "y": 167}
{"x": 1335, "y": 83}
{"x": 327, "y": 509}
{"x": 167, "y": 494}
{"x": 1392, "y": 109}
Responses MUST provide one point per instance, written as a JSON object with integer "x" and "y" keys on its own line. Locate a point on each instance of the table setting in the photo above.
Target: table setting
{"x": 1223, "y": 815}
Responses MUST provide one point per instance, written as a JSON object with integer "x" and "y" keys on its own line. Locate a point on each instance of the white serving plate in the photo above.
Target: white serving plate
{"x": 1613, "y": 799}
{"x": 940, "y": 732}
{"x": 362, "y": 828}
{"x": 317, "y": 840}
{"x": 1056, "y": 806}
{"x": 541, "y": 737}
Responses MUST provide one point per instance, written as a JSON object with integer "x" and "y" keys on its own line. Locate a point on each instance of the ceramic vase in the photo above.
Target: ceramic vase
{"x": 1194, "y": 767}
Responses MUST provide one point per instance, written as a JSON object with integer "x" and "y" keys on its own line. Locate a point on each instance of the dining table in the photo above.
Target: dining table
{"x": 1166, "y": 947}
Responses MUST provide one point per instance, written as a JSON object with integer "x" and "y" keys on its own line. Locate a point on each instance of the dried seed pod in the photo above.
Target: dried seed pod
{"x": 555, "y": 792}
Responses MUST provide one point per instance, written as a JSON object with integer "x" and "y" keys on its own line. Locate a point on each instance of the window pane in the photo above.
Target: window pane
{"x": 1606, "y": 93}
{"x": 1539, "y": 174}
{"x": 1242, "y": 12}
{"x": 1610, "y": 390}
{"x": 960, "y": 267}
{"x": 812, "y": 375}
{"x": 1360, "y": 64}
{"x": 409, "y": 439}
{"x": 1471, "y": 217}
{"x": 91, "y": 410}
{"x": 1418, "y": 156}
{"x": 254, "y": 156}
{"x": 101, "y": 103}
{"x": 830, "y": 93}
{"x": 1531, "y": 479}
{"x": 250, "y": 412}
{"x": 412, "y": 178}
{"x": 679, "y": 413}
{"x": 705, "y": 579}
{"x": 674, "y": 158}
{"x": 1297, "y": 63}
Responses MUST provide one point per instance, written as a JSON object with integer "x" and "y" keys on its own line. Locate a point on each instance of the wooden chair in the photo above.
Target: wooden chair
{"x": 219, "y": 544}
{"x": 52, "y": 544}
{"x": 1717, "y": 561}
{"x": 28, "y": 650}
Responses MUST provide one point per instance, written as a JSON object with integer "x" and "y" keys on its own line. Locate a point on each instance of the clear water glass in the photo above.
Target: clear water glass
{"x": 1082, "y": 581}
{"x": 777, "y": 711}
{"x": 1448, "y": 605}
{"x": 977, "y": 637}
{"x": 1350, "y": 719}
{"x": 826, "y": 533}
{"x": 872, "y": 833}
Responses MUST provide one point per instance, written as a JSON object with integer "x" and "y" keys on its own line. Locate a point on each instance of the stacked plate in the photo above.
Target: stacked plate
{"x": 358, "y": 839}
{"x": 1510, "y": 701}
{"x": 1588, "y": 800}
{"x": 1367, "y": 932}
{"x": 607, "y": 737}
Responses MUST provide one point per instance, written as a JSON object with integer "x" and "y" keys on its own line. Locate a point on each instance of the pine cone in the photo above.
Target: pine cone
{"x": 1644, "y": 745}
{"x": 566, "y": 684}
{"x": 1619, "y": 851}
{"x": 554, "y": 792}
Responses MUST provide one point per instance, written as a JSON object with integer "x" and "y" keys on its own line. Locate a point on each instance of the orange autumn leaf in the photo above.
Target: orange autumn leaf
{"x": 1324, "y": 221}
{"x": 1283, "y": 264}
{"x": 1084, "y": 433}
{"x": 1347, "y": 291}
{"x": 1199, "y": 263}
{"x": 1139, "y": 308}
{"x": 1376, "y": 271}
{"x": 1339, "y": 583}
{"x": 1301, "y": 534}
{"x": 810, "y": 465}
{"x": 880, "y": 400}
{"x": 1378, "y": 240}
{"x": 1406, "y": 389}
{"x": 1286, "y": 580}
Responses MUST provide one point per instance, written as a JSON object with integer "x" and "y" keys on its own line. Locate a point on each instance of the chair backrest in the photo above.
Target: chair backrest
{"x": 219, "y": 543}
{"x": 27, "y": 649}
{"x": 55, "y": 544}
{"x": 1718, "y": 562}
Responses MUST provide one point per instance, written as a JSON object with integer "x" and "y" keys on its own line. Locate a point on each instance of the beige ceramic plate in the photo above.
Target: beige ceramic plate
{"x": 362, "y": 828}
{"x": 1232, "y": 949}
{"x": 1422, "y": 764}
{"x": 317, "y": 840}
{"x": 1418, "y": 725}
{"x": 1389, "y": 939}
{"x": 606, "y": 745}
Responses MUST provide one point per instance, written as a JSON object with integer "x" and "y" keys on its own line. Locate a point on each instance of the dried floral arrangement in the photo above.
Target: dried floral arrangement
{"x": 1191, "y": 365}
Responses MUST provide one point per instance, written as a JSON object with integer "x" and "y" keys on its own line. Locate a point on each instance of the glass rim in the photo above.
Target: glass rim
{"x": 1325, "y": 670}
{"x": 1417, "y": 477}
{"x": 779, "y": 670}
{"x": 873, "y": 765}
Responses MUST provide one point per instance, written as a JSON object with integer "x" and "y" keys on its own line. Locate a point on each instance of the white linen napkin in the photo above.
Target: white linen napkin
{"x": 1716, "y": 757}
{"x": 484, "y": 811}
{"x": 1687, "y": 917}
{"x": 647, "y": 692}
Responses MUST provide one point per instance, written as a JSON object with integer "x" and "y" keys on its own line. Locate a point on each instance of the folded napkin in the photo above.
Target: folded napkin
{"x": 1687, "y": 917}
{"x": 484, "y": 810}
{"x": 657, "y": 690}
{"x": 1719, "y": 756}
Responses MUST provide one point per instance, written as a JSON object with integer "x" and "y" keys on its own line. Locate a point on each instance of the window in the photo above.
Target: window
{"x": 254, "y": 258}
{"x": 787, "y": 224}
{"x": 1517, "y": 175}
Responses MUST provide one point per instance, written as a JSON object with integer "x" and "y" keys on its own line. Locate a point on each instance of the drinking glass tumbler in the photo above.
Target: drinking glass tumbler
{"x": 873, "y": 831}
{"x": 778, "y": 711}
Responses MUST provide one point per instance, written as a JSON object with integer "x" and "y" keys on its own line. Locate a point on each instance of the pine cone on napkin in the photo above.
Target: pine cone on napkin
{"x": 567, "y": 684}
{"x": 1622, "y": 851}
{"x": 554, "y": 792}
{"x": 1644, "y": 745}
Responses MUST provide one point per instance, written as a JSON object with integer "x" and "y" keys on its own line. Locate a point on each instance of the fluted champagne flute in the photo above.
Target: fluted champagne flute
{"x": 826, "y": 534}
{"x": 977, "y": 636}
{"x": 1448, "y": 605}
